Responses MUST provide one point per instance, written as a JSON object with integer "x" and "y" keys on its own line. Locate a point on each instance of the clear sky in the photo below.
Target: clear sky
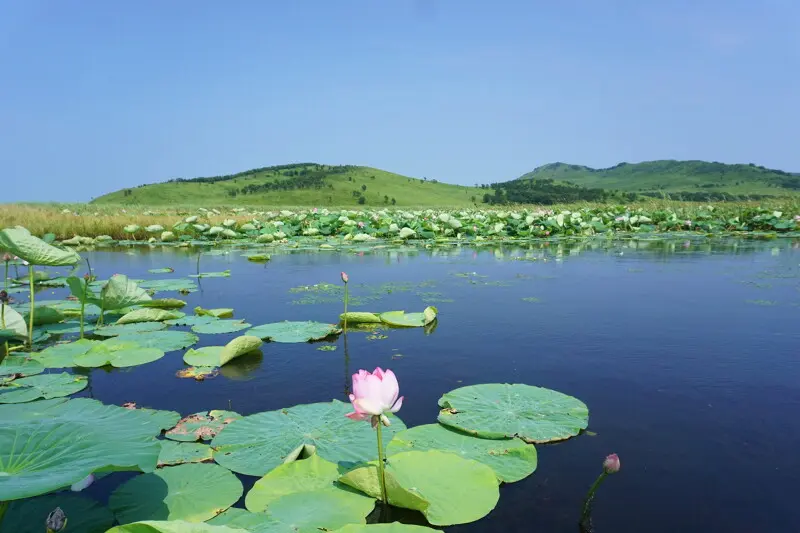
{"x": 96, "y": 95}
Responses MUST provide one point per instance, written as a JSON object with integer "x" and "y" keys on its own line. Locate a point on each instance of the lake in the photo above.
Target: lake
{"x": 685, "y": 351}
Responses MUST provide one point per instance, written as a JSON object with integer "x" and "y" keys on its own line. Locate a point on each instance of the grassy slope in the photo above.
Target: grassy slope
{"x": 407, "y": 191}
{"x": 667, "y": 175}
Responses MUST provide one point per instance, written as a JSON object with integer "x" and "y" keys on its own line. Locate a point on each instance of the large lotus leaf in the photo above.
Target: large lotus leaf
{"x": 19, "y": 366}
{"x": 201, "y": 426}
{"x": 19, "y": 241}
{"x": 136, "y": 327}
{"x": 294, "y": 331}
{"x": 252, "y": 522}
{"x": 42, "y": 386}
{"x": 167, "y": 285}
{"x": 394, "y": 527}
{"x": 221, "y": 326}
{"x": 207, "y": 356}
{"x": 117, "y": 353}
{"x": 171, "y": 526}
{"x": 14, "y": 322}
{"x": 63, "y": 355}
{"x": 176, "y": 453}
{"x": 193, "y": 492}
{"x": 410, "y": 320}
{"x": 500, "y": 410}
{"x": 190, "y": 320}
{"x": 122, "y": 292}
{"x": 45, "y": 315}
{"x": 50, "y": 444}
{"x": 79, "y": 290}
{"x": 511, "y": 459}
{"x": 64, "y": 328}
{"x": 223, "y": 274}
{"x": 164, "y": 303}
{"x": 148, "y": 315}
{"x": 256, "y": 444}
{"x": 84, "y": 515}
{"x": 166, "y": 341}
{"x": 360, "y": 317}
{"x": 445, "y": 487}
{"x": 222, "y": 312}
{"x": 313, "y": 473}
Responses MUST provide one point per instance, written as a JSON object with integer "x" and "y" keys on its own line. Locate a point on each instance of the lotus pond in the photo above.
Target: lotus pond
{"x": 210, "y": 389}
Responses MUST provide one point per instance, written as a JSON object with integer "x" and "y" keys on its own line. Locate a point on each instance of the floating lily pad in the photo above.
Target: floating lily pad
{"x": 256, "y": 444}
{"x": 221, "y": 326}
{"x": 223, "y": 274}
{"x": 171, "y": 526}
{"x": 46, "y": 315}
{"x": 360, "y": 317}
{"x": 511, "y": 459}
{"x": 221, "y": 312}
{"x": 122, "y": 292}
{"x": 64, "y": 328}
{"x": 164, "y": 270}
{"x": 495, "y": 411}
{"x": 166, "y": 341}
{"x": 192, "y": 492}
{"x": 176, "y": 453}
{"x": 394, "y": 527}
{"x": 219, "y": 355}
{"x": 201, "y": 426}
{"x": 309, "y": 474}
{"x": 19, "y": 366}
{"x": 294, "y": 331}
{"x": 84, "y": 515}
{"x": 149, "y": 315}
{"x": 252, "y": 522}
{"x": 169, "y": 285}
{"x": 443, "y": 486}
{"x": 137, "y": 327}
{"x": 190, "y": 320}
{"x": 118, "y": 353}
{"x": 410, "y": 320}
{"x": 42, "y": 386}
{"x": 198, "y": 373}
{"x": 63, "y": 355}
{"x": 36, "y": 437}
{"x": 164, "y": 303}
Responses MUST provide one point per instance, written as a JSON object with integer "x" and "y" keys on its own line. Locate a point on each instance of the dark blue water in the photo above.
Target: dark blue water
{"x": 687, "y": 354}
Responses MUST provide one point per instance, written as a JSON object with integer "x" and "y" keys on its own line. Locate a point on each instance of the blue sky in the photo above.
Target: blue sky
{"x": 99, "y": 95}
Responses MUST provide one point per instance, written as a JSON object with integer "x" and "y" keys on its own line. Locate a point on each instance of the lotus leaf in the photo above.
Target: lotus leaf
{"x": 207, "y": 356}
{"x": 221, "y": 326}
{"x": 41, "y": 386}
{"x": 134, "y": 328}
{"x": 258, "y": 258}
{"x": 51, "y": 444}
{"x": 223, "y": 274}
{"x": 511, "y": 459}
{"x": 164, "y": 303}
{"x": 164, "y": 270}
{"x": 252, "y": 522}
{"x": 256, "y": 444}
{"x": 445, "y": 487}
{"x": 18, "y": 366}
{"x": 148, "y": 315}
{"x": 360, "y": 317}
{"x": 63, "y": 328}
{"x": 131, "y": 228}
{"x": 201, "y": 426}
{"x": 45, "y": 315}
{"x": 309, "y": 474}
{"x": 500, "y": 410}
{"x": 168, "y": 285}
{"x": 223, "y": 312}
{"x": 63, "y": 355}
{"x": 154, "y": 228}
{"x": 14, "y": 322}
{"x": 190, "y": 320}
{"x": 122, "y": 292}
{"x": 84, "y": 515}
{"x": 294, "y": 331}
{"x": 394, "y": 527}
{"x": 194, "y": 492}
{"x": 166, "y": 341}
{"x": 176, "y": 453}
{"x": 118, "y": 353}
{"x": 172, "y": 526}
{"x": 19, "y": 241}
{"x": 403, "y": 319}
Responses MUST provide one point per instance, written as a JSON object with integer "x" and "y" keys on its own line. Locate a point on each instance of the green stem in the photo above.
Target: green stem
{"x": 3, "y": 324}
{"x": 381, "y": 473}
{"x": 3, "y": 508}
{"x": 5, "y": 278}
{"x": 587, "y": 502}
{"x": 345, "y": 306}
{"x": 32, "y": 309}
{"x": 83, "y": 302}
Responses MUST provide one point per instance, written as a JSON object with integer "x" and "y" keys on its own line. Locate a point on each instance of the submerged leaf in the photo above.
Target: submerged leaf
{"x": 294, "y": 331}
{"x": 201, "y": 426}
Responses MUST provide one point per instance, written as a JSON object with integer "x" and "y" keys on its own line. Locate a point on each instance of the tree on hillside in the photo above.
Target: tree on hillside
{"x": 385, "y": 199}
{"x": 394, "y": 201}
{"x": 362, "y": 200}
{"x": 363, "y": 187}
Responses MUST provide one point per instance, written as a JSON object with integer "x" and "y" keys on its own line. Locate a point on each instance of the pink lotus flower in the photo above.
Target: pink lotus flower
{"x": 375, "y": 394}
{"x": 360, "y": 224}
{"x": 345, "y": 277}
{"x": 314, "y": 210}
{"x": 611, "y": 464}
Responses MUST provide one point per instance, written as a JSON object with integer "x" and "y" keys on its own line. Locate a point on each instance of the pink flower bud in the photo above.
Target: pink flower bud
{"x": 611, "y": 464}
{"x": 345, "y": 277}
{"x": 7, "y": 257}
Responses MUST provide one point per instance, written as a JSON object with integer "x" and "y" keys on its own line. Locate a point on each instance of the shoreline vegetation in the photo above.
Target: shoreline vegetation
{"x": 79, "y": 224}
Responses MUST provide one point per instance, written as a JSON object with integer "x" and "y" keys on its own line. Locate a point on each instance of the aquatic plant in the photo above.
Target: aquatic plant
{"x": 345, "y": 279}
{"x": 611, "y": 465}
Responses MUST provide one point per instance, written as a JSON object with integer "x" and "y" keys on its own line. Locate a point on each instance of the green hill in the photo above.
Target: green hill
{"x": 674, "y": 176}
{"x": 302, "y": 184}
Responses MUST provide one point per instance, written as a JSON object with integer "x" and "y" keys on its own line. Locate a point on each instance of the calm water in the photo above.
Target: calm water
{"x": 687, "y": 354}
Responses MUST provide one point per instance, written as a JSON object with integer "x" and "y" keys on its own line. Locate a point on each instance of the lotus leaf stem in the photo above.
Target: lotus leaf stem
{"x": 83, "y": 299}
{"x": 3, "y": 326}
{"x": 586, "y": 514}
{"x": 346, "y": 297}
{"x": 32, "y": 308}
{"x": 381, "y": 472}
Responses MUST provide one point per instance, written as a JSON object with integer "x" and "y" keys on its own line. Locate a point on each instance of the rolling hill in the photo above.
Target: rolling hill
{"x": 674, "y": 176}
{"x": 302, "y": 184}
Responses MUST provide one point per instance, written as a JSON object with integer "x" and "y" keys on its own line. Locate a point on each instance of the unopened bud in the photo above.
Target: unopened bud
{"x": 7, "y": 257}
{"x": 4, "y": 297}
{"x": 56, "y": 521}
{"x": 87, "y": 277}
{"x": 611, "y": 464}
{"x": 345, "y": 277}
{"x": 385, "y": 421}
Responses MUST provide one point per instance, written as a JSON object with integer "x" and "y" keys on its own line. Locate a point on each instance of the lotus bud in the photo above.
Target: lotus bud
{"x": 611, "y": 464}
{"x": 345, "y": 277}
{"x": 7, "y": 257}
{"x": 385, "y": 421}
{"x": 87, "y": 277}
{"x": 4, "y": 297}
{"x": 56, "y": 521}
